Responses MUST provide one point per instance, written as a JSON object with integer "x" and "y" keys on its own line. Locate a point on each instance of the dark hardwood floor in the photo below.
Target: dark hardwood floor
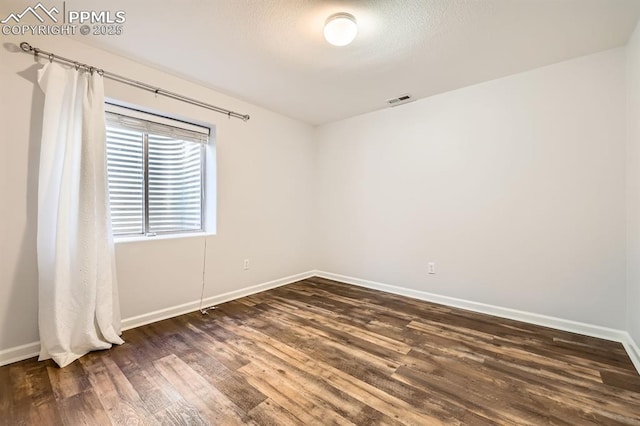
{"x": 319, "y": 352}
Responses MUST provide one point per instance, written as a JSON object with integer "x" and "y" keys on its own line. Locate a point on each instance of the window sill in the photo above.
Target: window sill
{"x": 135, "y": 239}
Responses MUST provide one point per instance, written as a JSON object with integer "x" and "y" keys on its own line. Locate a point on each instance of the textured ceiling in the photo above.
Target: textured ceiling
{"x": 272, "y": 53}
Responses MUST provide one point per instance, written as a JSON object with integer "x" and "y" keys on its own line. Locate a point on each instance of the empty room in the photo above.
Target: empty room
{"x": 289, "y": 212}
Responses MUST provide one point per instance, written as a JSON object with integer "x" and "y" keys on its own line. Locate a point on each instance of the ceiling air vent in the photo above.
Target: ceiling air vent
{"x": 402, "y": 99}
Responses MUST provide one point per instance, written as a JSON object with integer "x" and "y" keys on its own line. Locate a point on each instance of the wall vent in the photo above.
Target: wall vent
{"x": 402, "y": 99}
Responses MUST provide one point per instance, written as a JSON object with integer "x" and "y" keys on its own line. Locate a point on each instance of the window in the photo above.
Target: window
{"x": 156, "y": 168}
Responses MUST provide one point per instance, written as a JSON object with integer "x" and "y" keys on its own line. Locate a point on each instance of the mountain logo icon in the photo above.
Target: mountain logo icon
{"x": 38, "y": 11}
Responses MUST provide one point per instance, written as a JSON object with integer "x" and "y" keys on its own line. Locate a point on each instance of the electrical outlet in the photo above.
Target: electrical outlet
{"x": 245, "y": 264}
{"x": 431, "y": 267}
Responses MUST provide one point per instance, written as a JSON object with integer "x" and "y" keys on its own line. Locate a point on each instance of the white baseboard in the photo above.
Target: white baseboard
{"x": 498, "y": 311}
{"x": 18, "y": 353}
{"x": 633, "y": 350}
{"x": 185, "y": 308}
{"x": 30, "y": 350}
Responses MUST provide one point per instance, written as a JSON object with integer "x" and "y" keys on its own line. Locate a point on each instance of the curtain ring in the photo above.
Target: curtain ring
{"x": 77, "y": 65}
{"x": 36, "y": 52}
{"x": 229, "y": 114}
{"x": 51, "y": 56}
{"x": 100, "y": 72}
{"x": 91, "y": 69}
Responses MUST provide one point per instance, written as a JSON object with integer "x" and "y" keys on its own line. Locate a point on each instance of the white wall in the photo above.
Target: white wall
{"x": 514, "y": 187}
{"x": 633, "y": 186}
{"x": 265, "y": 172}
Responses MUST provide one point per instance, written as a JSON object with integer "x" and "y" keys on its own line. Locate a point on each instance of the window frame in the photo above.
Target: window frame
{"x": 127, "y": 111}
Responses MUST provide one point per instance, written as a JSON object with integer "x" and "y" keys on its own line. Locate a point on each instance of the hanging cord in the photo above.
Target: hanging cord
{"x": 204, "y": 311}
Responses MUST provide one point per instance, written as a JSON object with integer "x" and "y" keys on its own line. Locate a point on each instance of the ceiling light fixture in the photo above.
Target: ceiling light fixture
{"x": 340, "y": 29}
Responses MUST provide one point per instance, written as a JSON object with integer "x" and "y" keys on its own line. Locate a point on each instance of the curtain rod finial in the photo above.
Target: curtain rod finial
{"x": 25, "y": 46}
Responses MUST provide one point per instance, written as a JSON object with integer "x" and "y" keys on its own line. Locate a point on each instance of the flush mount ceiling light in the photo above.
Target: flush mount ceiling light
{"x": 340, "y": 29}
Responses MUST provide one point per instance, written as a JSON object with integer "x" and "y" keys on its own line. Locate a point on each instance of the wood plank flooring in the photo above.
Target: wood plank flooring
{"x": 319, "y": 352}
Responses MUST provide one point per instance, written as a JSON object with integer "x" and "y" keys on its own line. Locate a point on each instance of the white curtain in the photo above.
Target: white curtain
{"x": 78, "y": 298}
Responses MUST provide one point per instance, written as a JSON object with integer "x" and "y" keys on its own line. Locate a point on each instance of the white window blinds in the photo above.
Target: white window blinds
{"x": 156, "y": 173}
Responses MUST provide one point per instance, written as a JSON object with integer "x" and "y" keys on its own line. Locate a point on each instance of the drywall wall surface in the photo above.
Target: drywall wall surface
{"x": 514, "y": 188}
{"x": 633, "y": 186}
{"x": 264, "y": 175}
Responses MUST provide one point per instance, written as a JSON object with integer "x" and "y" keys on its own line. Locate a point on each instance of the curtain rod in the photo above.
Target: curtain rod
{"x": 26, "y": 47}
